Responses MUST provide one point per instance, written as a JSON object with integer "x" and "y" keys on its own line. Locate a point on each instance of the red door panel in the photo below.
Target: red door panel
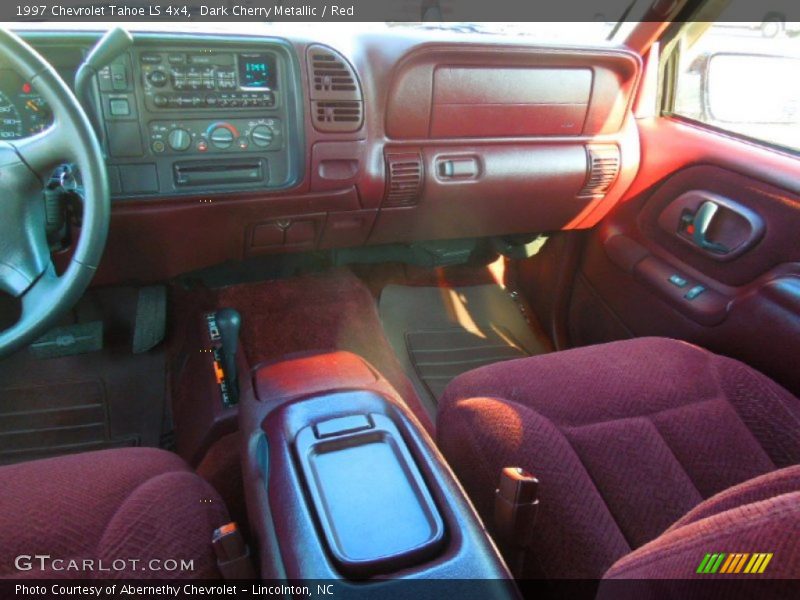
{"x": 643, "y": 272}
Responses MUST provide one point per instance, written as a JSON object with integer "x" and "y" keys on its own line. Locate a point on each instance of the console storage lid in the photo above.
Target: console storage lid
{"x": 373, "y": 505}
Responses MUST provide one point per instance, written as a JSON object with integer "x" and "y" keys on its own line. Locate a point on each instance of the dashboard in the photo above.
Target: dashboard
{"x": 225, "y": 147}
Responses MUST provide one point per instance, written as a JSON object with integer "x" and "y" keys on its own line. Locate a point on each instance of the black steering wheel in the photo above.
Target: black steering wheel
{"x": 26, "y": 270}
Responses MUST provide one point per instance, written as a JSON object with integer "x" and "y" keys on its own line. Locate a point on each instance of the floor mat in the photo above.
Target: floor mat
{"x": 101, "y": 399}
{"x": 439, "y": 332}
{"x": 329, "y": 310}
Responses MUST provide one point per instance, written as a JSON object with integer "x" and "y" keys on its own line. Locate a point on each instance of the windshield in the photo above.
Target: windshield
{"x": 590, "y": 32}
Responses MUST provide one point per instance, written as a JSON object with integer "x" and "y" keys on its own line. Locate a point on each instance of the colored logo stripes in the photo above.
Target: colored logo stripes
{"x": 730, "y": 563}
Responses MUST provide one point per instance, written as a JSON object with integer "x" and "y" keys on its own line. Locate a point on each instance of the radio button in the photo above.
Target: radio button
{"x": 150, "y": 58}
{"x": 157, "y": 78}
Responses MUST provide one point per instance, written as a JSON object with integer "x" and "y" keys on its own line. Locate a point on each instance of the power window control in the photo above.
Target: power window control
{"x": 695, "y": 292}
{"x": 677, "y": 280}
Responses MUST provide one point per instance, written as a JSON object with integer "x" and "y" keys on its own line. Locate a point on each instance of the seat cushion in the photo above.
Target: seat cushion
{"x": 130, "y": 503}
{"x": 625, "y": 438}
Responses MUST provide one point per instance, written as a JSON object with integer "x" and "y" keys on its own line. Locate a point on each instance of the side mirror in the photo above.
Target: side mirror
{"x": 752, "y": 89}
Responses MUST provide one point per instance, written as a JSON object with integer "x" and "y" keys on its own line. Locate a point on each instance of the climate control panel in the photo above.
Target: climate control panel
{"x": 201, "y": 136}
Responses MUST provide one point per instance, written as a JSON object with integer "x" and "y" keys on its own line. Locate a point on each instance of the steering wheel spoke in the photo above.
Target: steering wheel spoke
{"x": 34, "y": 300}
{"x": 24, "y": 253}
{"x": 44, "y": 151}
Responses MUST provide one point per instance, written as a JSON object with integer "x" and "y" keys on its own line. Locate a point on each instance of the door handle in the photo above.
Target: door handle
{"x": 702, "y": 222}
{"x": 716, "y": 226}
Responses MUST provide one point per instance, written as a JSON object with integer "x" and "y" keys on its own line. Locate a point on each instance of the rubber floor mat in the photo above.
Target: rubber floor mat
{"x": 45, "y": 420}
{"x": 102, "y": 399}
{"x": 440, "y": 333}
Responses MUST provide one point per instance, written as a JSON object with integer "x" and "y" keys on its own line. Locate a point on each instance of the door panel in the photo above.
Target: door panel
{"x": 641, "y": 269}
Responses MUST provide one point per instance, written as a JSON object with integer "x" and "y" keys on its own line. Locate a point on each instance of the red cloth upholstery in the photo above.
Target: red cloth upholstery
{"x": 625, "y": 437}
{"x": 768, "y": 522}
{"x": 131, "y": 503}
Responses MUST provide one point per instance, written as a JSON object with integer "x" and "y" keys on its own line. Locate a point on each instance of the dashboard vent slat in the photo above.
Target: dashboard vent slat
{"x": 603, "y": 170}
{"x": 405, "y": 174}
{"x": 336, "y": 101}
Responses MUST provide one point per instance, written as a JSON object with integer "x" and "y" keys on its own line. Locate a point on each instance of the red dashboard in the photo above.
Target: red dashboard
{"x": 403, "y": 140}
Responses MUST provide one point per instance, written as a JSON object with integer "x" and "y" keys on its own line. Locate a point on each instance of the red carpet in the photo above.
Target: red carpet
{"x": 332, "y": 310}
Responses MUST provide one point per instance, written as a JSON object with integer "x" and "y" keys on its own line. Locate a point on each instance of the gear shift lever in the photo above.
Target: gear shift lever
{"x": 228, "y": 324}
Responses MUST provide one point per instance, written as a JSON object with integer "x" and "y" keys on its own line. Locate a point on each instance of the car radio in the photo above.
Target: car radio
{"x": 208, "y": 80}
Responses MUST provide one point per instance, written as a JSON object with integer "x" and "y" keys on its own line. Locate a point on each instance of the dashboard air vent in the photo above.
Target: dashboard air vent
{"x": 405, "y": 175}
{"x": 337, "y": 116}
{"x": 331, "y": 73}
{"x": 336, "y": 101}
{"x": 603, "y": 170}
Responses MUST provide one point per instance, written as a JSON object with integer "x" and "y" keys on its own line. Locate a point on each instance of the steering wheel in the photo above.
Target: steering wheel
{"x": 26, "y": 270}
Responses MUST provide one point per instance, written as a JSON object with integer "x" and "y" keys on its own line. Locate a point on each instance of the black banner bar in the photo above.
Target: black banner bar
{"x": 433, "y": 589}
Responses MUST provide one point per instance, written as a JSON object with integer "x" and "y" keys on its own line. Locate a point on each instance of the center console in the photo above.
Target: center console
{"x": 342, "y": 482}
{"x": 201, "y": 115}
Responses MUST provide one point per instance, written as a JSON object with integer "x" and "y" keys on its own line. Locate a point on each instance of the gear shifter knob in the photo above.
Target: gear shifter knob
{"x": 229, "y": 322}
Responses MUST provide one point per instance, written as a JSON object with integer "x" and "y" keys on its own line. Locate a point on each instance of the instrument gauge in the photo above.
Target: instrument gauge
{"x": 11, "y": 126}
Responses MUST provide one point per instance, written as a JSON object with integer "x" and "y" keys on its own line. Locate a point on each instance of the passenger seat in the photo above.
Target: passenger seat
{"x": 650, "y": 453}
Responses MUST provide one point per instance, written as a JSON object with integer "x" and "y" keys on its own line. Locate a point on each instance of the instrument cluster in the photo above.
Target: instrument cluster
{"x": 23, "y": 111}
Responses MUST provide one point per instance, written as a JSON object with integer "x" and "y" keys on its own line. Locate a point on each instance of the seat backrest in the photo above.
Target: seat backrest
{"x": 748, "y": 530}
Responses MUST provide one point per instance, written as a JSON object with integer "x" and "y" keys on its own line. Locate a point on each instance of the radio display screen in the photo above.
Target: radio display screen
{"x": 257, "y": 71}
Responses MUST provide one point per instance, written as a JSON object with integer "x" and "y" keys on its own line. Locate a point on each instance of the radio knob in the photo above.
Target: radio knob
{"x": 221, "y": 137}
{"x": 179, "y": 140}
{"x": 262, "y": 135}
{"x": 157, "y": 78}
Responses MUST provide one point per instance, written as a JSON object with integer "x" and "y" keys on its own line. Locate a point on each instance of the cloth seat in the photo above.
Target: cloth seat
{"x": 626, "y": 439}
{"x": 117, "y": 505}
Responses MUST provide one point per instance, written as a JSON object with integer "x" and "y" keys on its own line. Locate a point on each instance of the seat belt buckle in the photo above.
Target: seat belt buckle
{"x": 516, "y": 504}
{"x": 233, "y": 555}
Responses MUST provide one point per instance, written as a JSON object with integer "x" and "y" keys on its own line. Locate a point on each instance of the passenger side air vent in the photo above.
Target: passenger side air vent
{"x": 332, "y": 114}
{"x": 336, "y": 101}
{"x": 603, "y": 170}
{"x": 404, "y": 179}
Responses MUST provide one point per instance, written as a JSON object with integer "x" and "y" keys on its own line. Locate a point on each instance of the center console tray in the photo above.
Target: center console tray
{"x": 372, "y": 503}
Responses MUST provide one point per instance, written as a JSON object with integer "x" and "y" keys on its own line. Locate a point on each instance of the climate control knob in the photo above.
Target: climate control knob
{"x": 262, "y": 135}
{"x": 221, "y": 137}
{"x": 179, "y": 140}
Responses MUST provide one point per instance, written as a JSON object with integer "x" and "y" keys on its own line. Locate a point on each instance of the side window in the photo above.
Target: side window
{"x": 743, "y": 78}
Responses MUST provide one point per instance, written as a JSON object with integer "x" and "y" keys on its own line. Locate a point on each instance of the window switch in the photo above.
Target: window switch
{"x": 677, "y": 280}
{"x": 695, "y": 292}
